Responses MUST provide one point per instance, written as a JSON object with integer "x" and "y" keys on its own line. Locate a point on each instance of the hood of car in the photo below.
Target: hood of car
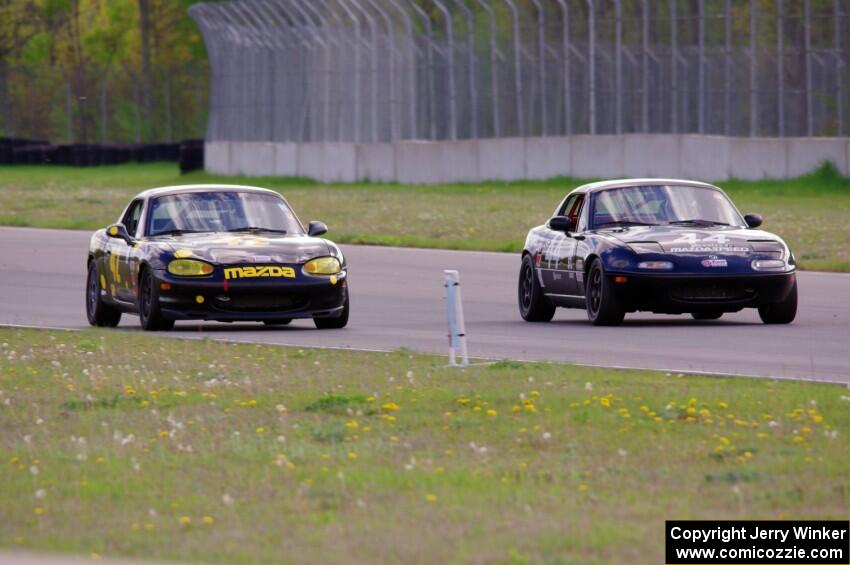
{"x": 261, "y": 248}
{"x": 697, "y": 240}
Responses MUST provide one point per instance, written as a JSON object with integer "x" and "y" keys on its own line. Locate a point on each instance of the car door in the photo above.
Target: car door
{"x": 556, "y": 261}
{"x": 122, "y": 257}
{"x": 567, "y": 259}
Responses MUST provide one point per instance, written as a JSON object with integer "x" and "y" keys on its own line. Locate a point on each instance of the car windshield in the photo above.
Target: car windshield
{"x": 221, "y": 211}
{"x": 660, "y": 205}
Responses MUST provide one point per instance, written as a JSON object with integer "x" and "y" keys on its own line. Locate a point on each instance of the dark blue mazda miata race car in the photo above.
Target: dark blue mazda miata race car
{"x": 658, "y": 245}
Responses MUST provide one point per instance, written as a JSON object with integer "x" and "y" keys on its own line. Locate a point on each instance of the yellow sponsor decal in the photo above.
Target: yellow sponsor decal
{"x": 333, "y": 279}
{"x": 182, "y": 253}
{"x": 256, "y": 272}
{"x": 102, "y": 282}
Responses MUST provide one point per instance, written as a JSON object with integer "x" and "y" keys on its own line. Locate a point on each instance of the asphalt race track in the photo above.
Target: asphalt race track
{"x": 398, "y": 301}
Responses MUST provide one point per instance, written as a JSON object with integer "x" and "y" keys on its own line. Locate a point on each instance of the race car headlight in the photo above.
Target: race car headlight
{"x": 769, "y": 265}
{"x": 322, "y": 266}
{"x": 190, "y": 268}
{"x": 656, "y": 265}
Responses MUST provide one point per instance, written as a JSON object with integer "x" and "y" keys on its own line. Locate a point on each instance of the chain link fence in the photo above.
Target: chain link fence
{"x": 388, "y": 70}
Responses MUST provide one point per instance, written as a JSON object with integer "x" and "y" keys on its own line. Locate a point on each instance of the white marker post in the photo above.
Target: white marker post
{"x": 457, "y": 329}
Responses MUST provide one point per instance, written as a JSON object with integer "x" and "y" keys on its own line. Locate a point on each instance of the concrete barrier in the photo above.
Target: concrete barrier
{"x": 548, "y": 157}
{"x": 702, "y": 157}
{"x": 597, "y": 156}
{"x": 651, "y": 155}
{"x": 376, "y": 162}
{"x": 327, "y": 162}
{"x": 217, "y": 157}
{"x": 804, "y": 155}
{"x": 285, "y": 159}
{"x": 502, "y": 159}
{"x": 253, "y": 159}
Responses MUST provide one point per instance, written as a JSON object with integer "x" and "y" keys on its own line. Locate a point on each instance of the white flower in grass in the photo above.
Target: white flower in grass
{"x": 227, "y": 500}
{"x": 588, "y": 386}
{"x": 34, "y": 469}
{"x": 40, "y": 494}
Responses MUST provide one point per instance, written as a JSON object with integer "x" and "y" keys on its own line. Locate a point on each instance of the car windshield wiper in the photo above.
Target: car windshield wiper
{"x": 176, "y": 232}
{"x": 256, "y": 229}
{"x": 697, "y": 221}
{"x": 624, "y": 223}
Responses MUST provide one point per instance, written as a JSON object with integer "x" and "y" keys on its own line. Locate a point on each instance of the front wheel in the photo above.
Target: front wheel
{"x": 334, "y": 323}
{"x": 533, "y": 306}
{"x": 603, "y": 307}
{"x": 782, "y": 312}
{"x": 98, "y": 312}
{"x": 150, "y": 315}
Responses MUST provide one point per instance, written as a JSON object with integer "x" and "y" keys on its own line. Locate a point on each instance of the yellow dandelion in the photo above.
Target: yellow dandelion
{"x": 516, "y": 408}
{"x": 389, "y": 407}
{"x": 605, "y": 402}
{"x": 431, "y": 497}
{"x": 38, "y": 510}
{"x": 185, "y": 521}
{"x": 583, "y": 487}
{"x": 352, "y": 456}
{"x": 352, "y": 424}
{"x": 491, "y": 412}
{"x": 208, "y": 520}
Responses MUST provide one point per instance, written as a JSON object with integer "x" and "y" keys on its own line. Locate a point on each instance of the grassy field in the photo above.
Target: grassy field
{"x": 117, "y": 443}
{"x": 812, "y": 212}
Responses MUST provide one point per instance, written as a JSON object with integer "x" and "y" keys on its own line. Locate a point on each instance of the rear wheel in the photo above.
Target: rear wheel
{"x": 334, "y": 323}
{"x": 782, "y": 312}
{"x": 603, "y": 307}
{"x": 150, "y": 315}
{"x": 98, "y": 312}
{"x": 533, "y": 306}
{"x": 706, "y": 315}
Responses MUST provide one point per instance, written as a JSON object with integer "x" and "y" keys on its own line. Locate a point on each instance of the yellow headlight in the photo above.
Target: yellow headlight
{"x": 322, "y": 266}
{"x": 190, "y": 268}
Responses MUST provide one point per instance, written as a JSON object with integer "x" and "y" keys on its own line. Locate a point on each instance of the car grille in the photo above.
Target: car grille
{"x": 262, "y": 302}
{"x": 713, "y": 293}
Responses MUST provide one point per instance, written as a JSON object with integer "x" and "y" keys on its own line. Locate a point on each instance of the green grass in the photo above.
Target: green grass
{"x": 119, "y": 443}
{"x": 811, "y": 212}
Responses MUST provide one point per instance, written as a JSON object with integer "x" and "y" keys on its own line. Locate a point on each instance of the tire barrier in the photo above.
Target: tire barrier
{"x": 18, "y": 151}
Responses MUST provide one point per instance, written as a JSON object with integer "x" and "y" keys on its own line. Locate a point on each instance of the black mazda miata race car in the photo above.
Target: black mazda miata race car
{"x": 204, "y": 252}
{"x": 658, "y": 245}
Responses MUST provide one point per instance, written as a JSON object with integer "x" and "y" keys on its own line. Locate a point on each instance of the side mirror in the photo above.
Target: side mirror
{"x": 562, "y": 223}
{"x": 118, "y": 231}
{"x": 316, "y": 228}
{"x": 754, "y": 220}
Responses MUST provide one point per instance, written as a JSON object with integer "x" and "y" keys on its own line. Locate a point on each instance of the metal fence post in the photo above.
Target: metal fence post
{"x": 494, "y": 78}
{"x": 701, "y": 66}
{"x": 432, "y": 95}
{"x": 517, "y": 67}
{"x": 839, "y": 76}
{"x": 450, "y": 61}
{"x": 358, "y": 108}
{"x": 541, "y": 66}
{"x": 471, "y": 73}
{"x": 780, "y": 70}
{"x": 753, "y": 72}
{"x": 674, "y": 68}
{"x": 565, "y": 46}
{"x": 807, "y": 45}
{"x": 645, "y": 66}
{"x": 591, "y": 65}
{"x": 618, "y": 66}
{"x": 411, "y": 103}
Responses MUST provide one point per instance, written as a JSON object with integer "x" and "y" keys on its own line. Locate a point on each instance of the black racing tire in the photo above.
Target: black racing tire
{"x": 99, "y": 313}
{"x": 278, "y": 322}
{"x": 706, "y": 315}
{"x": 782, "y": 312}
{"x": 150, "y": 315}
{"x": 603, "y": 306}
{"x": 334, "y": 323}
{"x": 533, "y": 306}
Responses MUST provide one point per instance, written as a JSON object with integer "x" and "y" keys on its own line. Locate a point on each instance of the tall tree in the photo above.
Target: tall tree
{"x": 147, "y": 80}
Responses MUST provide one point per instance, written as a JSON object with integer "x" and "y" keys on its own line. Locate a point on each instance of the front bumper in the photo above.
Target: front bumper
{"x": 679, "y": 294}
{"x": 250, "y": 299}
